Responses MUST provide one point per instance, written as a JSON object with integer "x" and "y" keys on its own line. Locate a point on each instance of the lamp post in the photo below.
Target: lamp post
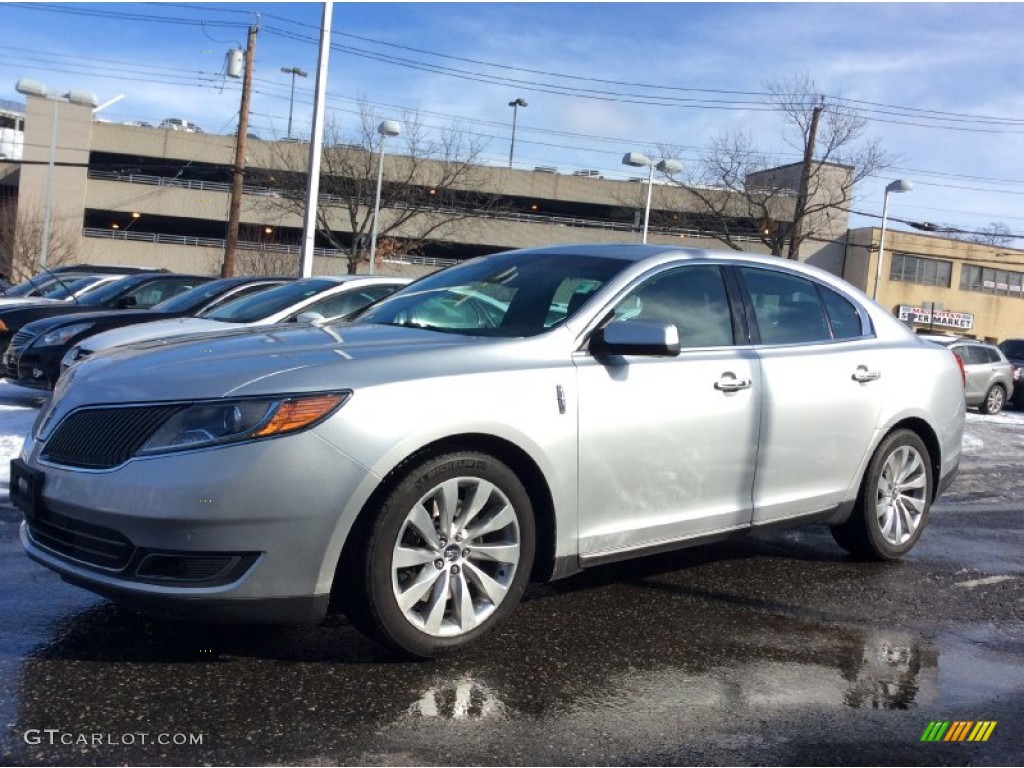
{"x": 293, "y": 71}
{"x": 385, "y": 129}
{"x": 638, "y": 160}
{"x": 82, "y": 98}
{"x": 515, "y": 104}
{"x": 900, "y": 185}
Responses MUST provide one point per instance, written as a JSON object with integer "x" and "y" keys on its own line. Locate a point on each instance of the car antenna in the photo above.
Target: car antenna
{"x": 63, "y": 285}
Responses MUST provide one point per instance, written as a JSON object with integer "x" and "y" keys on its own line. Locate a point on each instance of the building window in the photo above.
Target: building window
{"x": 1000, "y": 282}
{"x": 914, "y": 269}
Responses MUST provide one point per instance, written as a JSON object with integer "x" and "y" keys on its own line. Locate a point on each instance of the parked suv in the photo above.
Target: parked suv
{"x": 989, "y": 375}
{"x": 1014, "y": 351}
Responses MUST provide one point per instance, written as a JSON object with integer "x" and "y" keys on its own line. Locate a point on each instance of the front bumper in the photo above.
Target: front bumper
{"x": 29, "y": 368}
{"x": 249, "y": 532}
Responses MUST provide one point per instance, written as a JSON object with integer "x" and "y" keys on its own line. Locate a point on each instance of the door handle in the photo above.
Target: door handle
{"x": 732, "y": 384}
{"x": 862, "y": 374}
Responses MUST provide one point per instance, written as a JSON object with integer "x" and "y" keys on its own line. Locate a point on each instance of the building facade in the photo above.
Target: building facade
{"x": 941, "y": 285}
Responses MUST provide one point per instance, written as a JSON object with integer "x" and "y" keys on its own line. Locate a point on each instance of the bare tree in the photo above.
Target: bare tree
{"x": 745, "y": 193}
{"x": 995, "y": 233}
{"x": 431, "y": 183}
{"x": 21, "y": 240}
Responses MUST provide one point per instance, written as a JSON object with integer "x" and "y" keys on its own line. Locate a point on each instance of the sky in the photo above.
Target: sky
{"x": 939, "y": 84}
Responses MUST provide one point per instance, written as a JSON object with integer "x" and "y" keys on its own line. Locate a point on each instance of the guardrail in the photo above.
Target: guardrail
{"x": 248, "y": 245}
{"x": 462, "y": 213}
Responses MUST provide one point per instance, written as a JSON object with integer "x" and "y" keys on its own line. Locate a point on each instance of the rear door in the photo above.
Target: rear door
{"x": 823, "y": 384}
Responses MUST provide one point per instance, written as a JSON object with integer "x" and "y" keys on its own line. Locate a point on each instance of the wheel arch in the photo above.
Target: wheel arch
{"x": 518, "y": 460}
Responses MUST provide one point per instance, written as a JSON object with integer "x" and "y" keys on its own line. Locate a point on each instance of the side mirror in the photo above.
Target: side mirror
{"x": 310, "y": 318}
{"x": 636, "y": 337}
{"x": 126, "y": 302}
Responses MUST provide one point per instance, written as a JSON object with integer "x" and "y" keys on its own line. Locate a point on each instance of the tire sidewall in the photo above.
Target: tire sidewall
{"x": 393, "y": 625}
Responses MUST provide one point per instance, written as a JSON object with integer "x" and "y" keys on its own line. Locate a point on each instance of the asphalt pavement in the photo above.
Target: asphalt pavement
{"x": 777, "y": 650}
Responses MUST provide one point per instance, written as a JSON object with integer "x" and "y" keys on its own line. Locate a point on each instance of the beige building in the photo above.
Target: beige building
{"x": 941, "y": 285}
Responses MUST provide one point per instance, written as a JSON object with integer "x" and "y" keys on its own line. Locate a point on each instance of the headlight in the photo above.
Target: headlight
{"x": 205, "y": 424}
{"x": 61, "y": 336}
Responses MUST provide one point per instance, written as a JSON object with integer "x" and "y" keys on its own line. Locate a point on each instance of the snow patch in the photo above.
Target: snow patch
{"x": 15, "y": 423}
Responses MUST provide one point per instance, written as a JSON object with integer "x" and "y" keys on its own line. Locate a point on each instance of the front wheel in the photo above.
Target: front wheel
{"x": 994, "y": 401}
{"x": 447, "y": 558}
{"x": 895, "y": 496}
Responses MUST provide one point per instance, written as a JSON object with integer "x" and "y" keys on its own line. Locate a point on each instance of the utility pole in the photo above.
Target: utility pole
{"x": 235, "y": 207}
{"x": 805, "y": 182}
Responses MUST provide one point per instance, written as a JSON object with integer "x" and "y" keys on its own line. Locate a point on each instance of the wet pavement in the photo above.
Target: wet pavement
{"x": 775, "y": 650}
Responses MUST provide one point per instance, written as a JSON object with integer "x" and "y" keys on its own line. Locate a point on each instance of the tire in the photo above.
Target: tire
{"x": 994, "y": 401}
{"x": 894, "y": 500}
{"x": 446, "y": 559}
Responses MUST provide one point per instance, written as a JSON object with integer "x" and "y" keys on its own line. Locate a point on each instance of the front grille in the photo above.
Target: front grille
{"x": 84, "y": 542}
{"x": 20, "y": 339}
{"x": 102, "y": 438}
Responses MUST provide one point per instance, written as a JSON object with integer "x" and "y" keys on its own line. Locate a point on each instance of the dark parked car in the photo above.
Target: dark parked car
{"x": 1014, "y": 351}
{"x": 34, "y": 354}
{"x": 51, "y": 279}
{"x": 138, "y": 291}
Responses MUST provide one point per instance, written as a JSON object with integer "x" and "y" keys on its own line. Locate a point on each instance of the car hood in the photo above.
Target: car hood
{"x": 133, "y": 334}
{"x": 286, "y": 358}
{"x": 46, "y": 324}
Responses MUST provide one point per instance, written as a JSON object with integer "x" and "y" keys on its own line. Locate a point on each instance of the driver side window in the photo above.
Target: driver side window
{"x": 691, "y": 298}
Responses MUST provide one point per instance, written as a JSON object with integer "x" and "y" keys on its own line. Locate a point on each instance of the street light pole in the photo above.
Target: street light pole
{"x": 32, "y": 88}
{"x": 515, "y": 104}
{"x": 668, "y": 167}
{"x": 900, "y": 185}
{"x": 385, "y": 129}
{"x": 293, "y": 71}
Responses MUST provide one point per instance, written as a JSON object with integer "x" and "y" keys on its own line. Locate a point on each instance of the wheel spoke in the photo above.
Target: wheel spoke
{"x": 478, "y": 496}
{"x": 506, "y": 516}
{"x": 462, "y": 602}
{"x": 423, "y": 524}
{"x": 437, "y": 604}
{"x": 424, "y": 582}
{"x": 495, "y": 592}
{"x": 915, "y": 502}
{"x": 410, "y": 557}
{"x": 447, "y": 503}
{"x": 498, "y": 553}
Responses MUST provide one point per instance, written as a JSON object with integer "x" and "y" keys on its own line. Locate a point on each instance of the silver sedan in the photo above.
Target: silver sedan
{"x": 526, "y": 414}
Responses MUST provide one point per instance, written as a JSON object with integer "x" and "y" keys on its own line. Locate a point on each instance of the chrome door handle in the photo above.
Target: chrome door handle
{"x": 732, "y": 384}
{"x": 862, "y": 375}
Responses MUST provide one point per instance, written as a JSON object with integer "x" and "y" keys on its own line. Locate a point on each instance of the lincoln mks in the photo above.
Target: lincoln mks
{"x": 519, "y": 416}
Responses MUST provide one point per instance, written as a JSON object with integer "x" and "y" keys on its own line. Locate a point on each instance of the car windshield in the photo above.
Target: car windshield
{"x": 194, "y": 297}
{"x": 111, "y": 291}
{"x": 506, "y": 296}
{"x": 259, "y": 306}
{"x": 34, "y": 286}
{"x": 66, "y": 288}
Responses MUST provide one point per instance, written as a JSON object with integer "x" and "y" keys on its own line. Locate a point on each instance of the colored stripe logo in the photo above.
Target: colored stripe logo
{"x": 958, "y": 730}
